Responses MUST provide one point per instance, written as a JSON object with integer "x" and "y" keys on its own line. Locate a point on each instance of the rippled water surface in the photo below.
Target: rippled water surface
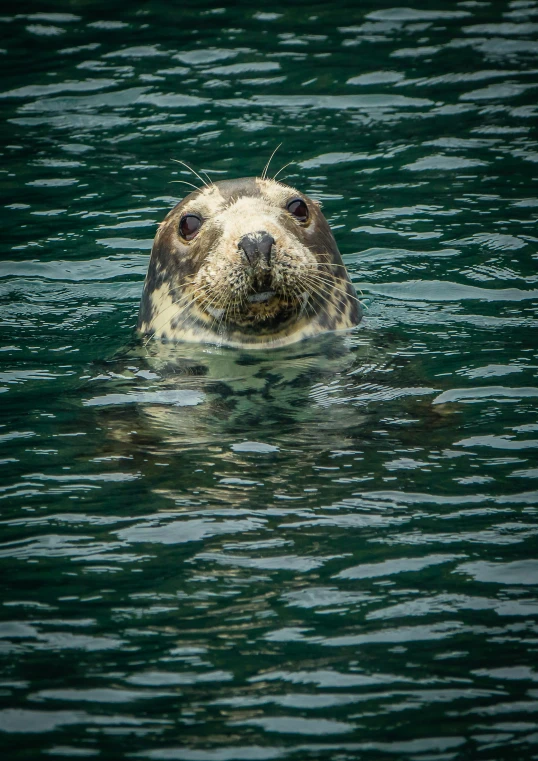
{"x": 327, "y": 551}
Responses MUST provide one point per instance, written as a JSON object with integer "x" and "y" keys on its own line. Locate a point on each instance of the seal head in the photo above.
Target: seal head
{"x": 246, "y": 263}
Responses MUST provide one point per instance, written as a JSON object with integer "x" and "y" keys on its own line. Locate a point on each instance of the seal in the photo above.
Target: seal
{"x": 246, "y": 263}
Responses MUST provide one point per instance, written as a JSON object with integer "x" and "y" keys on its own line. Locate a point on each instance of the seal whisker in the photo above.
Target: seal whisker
{"x": 220, "y": 324}
{"x": 345, "y": 293}
{"x": 333, "y": 283}
{"x": 282, "y": 169}
{"x": 266, "y": 167}
{"x": 340, "y": 280}
{"x": 313, "y": 292}
{"x": 211, "y": 183}
{"x": 340, "y": 311}
{"x": 223, "y": 318}
{"x": 213, "y": 302}
{"x": 213, "y": 295}
{"x": 335, "y": 287}
{"x": 183, "y": 311}
{"x": 299, "y": 297}
{"x": 321, "y": 291}
{"x": 177, "y": 161}
{"x": 324, "y": 286}
{"x": 318, "y": 297}
{"x": 184, "y": 182}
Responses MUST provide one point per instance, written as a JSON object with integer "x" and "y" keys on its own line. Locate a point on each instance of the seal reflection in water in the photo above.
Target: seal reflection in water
{"x": 246, "y": 263}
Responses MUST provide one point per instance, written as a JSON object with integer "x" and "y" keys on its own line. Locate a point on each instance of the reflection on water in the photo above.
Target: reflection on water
{"x": 326, "y": 551}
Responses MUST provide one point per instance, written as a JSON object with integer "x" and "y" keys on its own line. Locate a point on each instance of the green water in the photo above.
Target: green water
{"x": 327, "y": 551}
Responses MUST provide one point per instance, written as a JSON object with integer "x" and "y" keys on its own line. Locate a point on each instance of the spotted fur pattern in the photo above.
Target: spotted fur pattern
{"x": 205, "y": 291}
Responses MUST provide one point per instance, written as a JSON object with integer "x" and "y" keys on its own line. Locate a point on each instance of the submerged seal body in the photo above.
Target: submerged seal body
{"x": 246, "y": 263}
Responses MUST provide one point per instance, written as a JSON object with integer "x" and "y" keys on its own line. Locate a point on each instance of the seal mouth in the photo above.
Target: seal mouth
{"x": 260, "y": 298}
{"x": 255, "y": 298}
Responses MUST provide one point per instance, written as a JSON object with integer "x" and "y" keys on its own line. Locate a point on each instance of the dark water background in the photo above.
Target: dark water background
{"x": 322, "y": 552}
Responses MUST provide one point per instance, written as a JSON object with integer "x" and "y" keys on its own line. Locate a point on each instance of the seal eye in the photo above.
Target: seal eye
{"x": 189, "y": 226}
{"x": 298, "y": 209}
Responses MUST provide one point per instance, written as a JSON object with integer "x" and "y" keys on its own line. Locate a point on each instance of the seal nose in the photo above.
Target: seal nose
{"x": 256, "y": 247}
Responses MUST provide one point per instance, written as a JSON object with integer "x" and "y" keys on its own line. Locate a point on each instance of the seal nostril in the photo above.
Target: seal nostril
{"x": 249, "y": 246}
{"x": 265, "y": 244}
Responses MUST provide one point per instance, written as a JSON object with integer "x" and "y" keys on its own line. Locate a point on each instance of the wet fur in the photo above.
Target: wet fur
{"x": 199, "y": 291}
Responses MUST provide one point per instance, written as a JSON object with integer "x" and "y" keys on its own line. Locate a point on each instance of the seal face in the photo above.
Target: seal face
{"x": 246, "y": 263}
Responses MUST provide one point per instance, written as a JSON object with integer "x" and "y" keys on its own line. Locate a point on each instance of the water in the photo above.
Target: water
{"x": 323, "y": 552}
